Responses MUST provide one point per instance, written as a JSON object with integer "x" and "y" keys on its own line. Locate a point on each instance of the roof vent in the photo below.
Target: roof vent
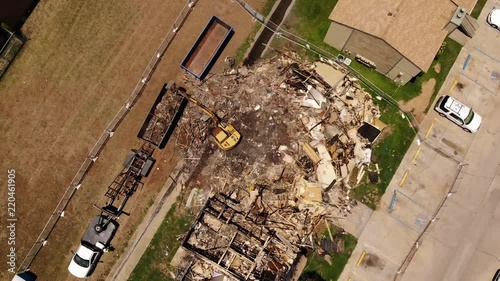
{"x": 389, "y": 14}
{"x": 458, "y": 16}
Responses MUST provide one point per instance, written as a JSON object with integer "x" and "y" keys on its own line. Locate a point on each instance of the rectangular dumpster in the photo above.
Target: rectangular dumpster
{"x": 163, "y": 117}
{"x": 207, "y": 48}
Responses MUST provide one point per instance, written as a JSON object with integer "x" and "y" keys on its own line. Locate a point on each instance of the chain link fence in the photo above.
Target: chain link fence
{"x": 104, "y": 138}
{"x": 404, "y": 265}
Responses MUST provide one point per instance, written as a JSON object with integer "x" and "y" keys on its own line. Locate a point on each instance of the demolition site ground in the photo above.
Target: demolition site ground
{"x": 288, "y": 188}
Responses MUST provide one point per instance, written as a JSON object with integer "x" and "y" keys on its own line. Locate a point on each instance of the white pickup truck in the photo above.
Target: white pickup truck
{"x": 94, "y": 243}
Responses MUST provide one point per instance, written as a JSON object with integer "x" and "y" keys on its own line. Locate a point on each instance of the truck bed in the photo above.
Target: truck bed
{"x": 207, "y": 48}
{"x": 104, "y": 236}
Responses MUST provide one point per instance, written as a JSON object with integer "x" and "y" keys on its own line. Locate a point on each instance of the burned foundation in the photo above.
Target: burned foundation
{"x": 236, "y": 243}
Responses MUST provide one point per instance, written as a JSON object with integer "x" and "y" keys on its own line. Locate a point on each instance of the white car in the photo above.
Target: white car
{"x": 458, "y": 113}
{"x": 493, "y": 18}
{"x": 95, "y": 242}
{"x": 85, "y": 260}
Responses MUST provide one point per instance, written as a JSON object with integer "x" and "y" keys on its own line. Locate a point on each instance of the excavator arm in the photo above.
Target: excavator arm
{"x": 226, "y": 136}
{"x": 203, "y": 108}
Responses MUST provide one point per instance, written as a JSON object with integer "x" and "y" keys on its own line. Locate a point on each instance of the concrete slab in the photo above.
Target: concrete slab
{"x": 429, "y": 190}
{"x": 482, "y": 266}
{"x": 357, "y": 220}
{"x": 446, "y": 229}
{"x": 489, "y": 243}
{"x": 431, "y": 258}
{"x": 470, "y": 192}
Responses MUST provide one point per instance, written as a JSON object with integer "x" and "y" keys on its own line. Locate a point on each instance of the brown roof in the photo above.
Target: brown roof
{"x": 413, "y": 27}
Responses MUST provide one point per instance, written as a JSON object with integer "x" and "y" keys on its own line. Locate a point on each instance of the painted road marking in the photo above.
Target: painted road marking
{"x": 484, "y": 53}
{"x": 420, "y": 217}
{"x": 466, "y": 62}
{"x": 411, "y": 199}
{"x": 403, "y": 179}
{"x": 361, "y": 258}
{"x": 429, "y": 130}
{"x": 416, "y": 155}
{"x": 454, "y": 84}
{"x": 404, "y": 223}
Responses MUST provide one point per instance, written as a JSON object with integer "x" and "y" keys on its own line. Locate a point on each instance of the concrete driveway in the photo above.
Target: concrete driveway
{"x": 446, "y": 191}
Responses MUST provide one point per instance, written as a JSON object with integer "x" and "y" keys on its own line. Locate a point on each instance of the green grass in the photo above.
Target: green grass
{"x": 389, "y": 153}
{"x": 391, "y": 149}
{"x": 412, "y": 89}
{"x": 318, "y": 269}
{"x": 313, "y": 22}
{"x": 154, "y": 264}
{"x": 478, "y": 8}
{"x": 446, "y": 61}
{"x": 240, "y": 53}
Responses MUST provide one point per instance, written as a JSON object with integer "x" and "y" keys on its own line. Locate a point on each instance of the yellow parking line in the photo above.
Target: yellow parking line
{"x": 416, "y": 154}
{"x": 361, "y": 258}
{"x": 429, "y": 130}
{"x": 454, "y": 84}
{"x": 403, "y": 179}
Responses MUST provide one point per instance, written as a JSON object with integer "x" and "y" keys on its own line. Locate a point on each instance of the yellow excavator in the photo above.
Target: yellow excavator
{"x": 224, "y": 135}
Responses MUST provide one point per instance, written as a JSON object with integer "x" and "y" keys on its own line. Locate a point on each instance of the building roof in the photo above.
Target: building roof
{"x": 414, "y": 28}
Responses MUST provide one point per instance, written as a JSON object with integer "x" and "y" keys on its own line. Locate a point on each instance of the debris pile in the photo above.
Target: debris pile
{"x": 225, "y": 239}
{"x": 307, "y": 134}
{"x": 162, "y": 115}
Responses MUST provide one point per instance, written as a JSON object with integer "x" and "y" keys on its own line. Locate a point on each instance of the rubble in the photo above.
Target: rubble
{"x": 164, "y": 114}
{"x": 307, "y": 135}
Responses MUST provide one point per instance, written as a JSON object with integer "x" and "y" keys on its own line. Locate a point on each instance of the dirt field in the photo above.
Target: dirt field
{"x": 417, "y": 105}
{"x": 80, "y": 64}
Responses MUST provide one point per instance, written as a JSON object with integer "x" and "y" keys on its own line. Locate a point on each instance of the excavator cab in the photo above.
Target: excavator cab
{"x": 226, "y": 137}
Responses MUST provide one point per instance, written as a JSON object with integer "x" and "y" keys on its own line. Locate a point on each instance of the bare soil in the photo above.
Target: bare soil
{"x": 418, "y": 104}
{"x": 437, "y": 67}
{"x": 79, "y": 66}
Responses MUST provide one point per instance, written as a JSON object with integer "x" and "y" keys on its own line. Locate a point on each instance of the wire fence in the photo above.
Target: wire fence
{"x": 76, "y": 182}
{"x": 406, "y": 262}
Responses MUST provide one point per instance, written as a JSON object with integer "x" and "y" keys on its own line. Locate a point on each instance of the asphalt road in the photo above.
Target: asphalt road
{"x": 463, "y": 243}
